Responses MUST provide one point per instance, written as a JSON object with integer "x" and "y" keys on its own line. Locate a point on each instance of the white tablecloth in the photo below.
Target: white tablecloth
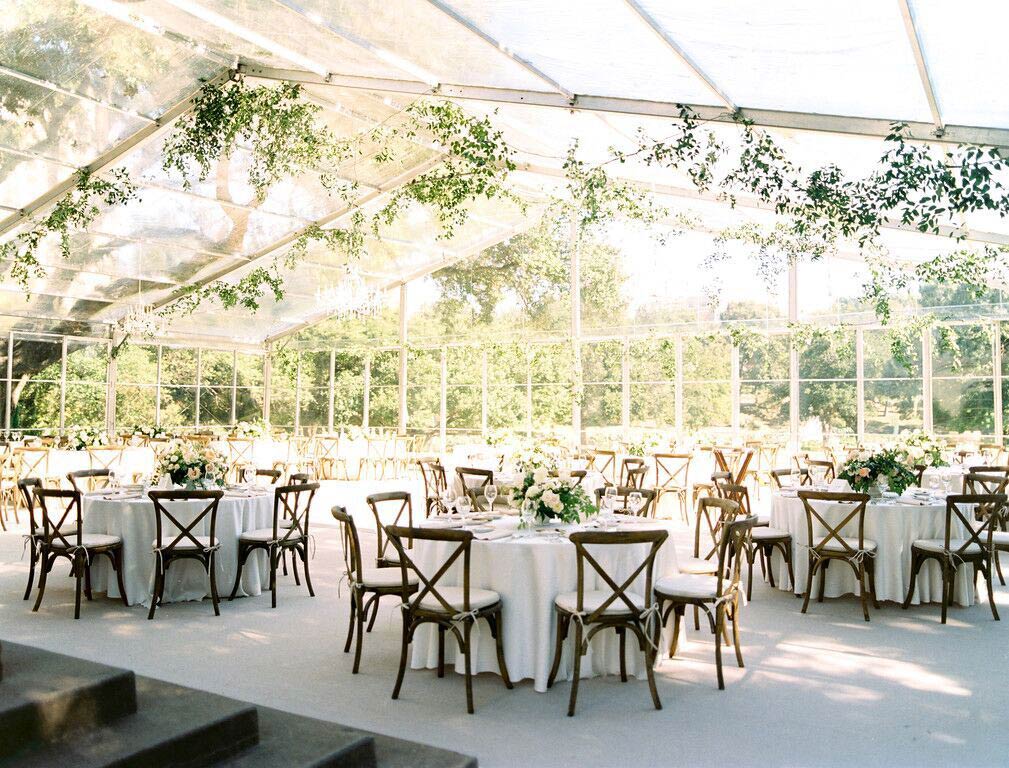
{"x": 528, "y": 574}
{"x": 893, "y": 526}
{"x": 134, "y": 521}
{"x": 134, "y": 460}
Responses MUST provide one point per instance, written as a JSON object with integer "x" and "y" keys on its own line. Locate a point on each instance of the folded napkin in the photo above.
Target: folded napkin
{"x": 496, "y": 534}
{"x": 121, "y": 496}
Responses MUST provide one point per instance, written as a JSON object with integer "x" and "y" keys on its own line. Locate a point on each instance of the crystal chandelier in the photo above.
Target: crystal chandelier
{"x": 351, "y": 298}
{"x": 141, "y": 320}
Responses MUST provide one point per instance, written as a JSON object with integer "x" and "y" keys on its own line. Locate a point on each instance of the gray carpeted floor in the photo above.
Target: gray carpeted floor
{"x": 820, "y": 689}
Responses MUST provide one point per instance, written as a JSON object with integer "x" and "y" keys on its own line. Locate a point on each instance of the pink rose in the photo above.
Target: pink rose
{"x": 863, "y": 472}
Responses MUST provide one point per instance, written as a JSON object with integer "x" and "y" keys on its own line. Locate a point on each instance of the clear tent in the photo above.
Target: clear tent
{"x": 95, "y": 83}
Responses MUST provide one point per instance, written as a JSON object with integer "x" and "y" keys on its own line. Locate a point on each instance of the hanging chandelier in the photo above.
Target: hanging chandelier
{"x": 351, "y": 298}
{"x": 141, "y": 321}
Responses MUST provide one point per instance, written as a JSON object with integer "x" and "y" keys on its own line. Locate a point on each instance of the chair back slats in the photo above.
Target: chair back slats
{"x": 986, "y": 480}
{"x": 635, "y": 465}
{"x": 672, "y": 470}
{"x": 89, "y": 479}
{"x": 733, "y": 543}
{"x": 60, "y": 511}
{"x": 820, "y": 532}
{"x": 474, "y": 477}
{"x": 428, "y": 584}
{"x": 979, "y": 528}
{"x": 605, "y": 463}
{"x": 796, "y": 477}
{"x": 623, "y": 491}
{"x": 712, "y": 514}
{"x": 433, "y": 474}
{"x": 291, "y": 507}
{"x": 351, "y": 544}
{"x": 171, "y": 531}
{"x": 400, "y": 504}
{"x": 273, "y": 474}
{"x": 34, "y": 462}
{"x": 106, "y": 456}
{"x": 27, "y": 486}
{"x": 829, "y": 472}
{"x": 737, "y": 493}
{"x": 619, "y": 595}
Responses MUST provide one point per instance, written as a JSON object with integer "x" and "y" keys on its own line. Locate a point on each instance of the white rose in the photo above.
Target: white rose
{"x": 534, "y": 491}
{"x": 540, "y": 475}
{"x": 193, "y": 473}
{"x": 551, "y": 499}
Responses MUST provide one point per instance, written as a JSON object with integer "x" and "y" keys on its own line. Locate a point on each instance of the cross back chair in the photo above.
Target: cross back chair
{"x": 633, "y": 464}
{"x": 178, "y": 540}
{"x": 327, "y": 456}
{"x": 990, "y": 452}
{"x": 951, "y": 553}
{"x": 240, "y": 454}
{"x": 830, "y": 545}
{"x": 451, "y": 608}
{"x": 623, "y": 491}
{"x": 34, "y": 538}
{"x": 367, "y": 585}
{"x": 63, "y": 536}
{"x": 472, "y": 481}
{"x": 32, "y": 462}
{"x": 435, "y": 484}
{"x": 672, "y": 475}
{"x": 289, "y": 533}
{"x": 617, "y": 607}
{"x": 84, "y": 480}
{"x": 10, "y": 496}
{"x": 710, "y": 488}
{"x": 796, "y": 478}
{"x": 106, "y": 456}
{"x": 706, "y": 592}
{"x": 763, "y": 541}
{"x": 635, "y": 477}
{"x": 829, "y": 472}
{"x": 394, "y": 504}
{"x": 735, "y": 462}
{"x": 272, "y": 474}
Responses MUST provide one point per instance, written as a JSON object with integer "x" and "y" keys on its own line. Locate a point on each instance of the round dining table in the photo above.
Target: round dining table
{"x": 894, "y": 524}
{"x": 131, "y": 516}
{"x": 529, "y": 571}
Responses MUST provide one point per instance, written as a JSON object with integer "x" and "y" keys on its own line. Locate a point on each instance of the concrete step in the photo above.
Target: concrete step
{"x": 172, "y": 726}
{"x": 398, "y": 753}
{"x": 46, "y": 695}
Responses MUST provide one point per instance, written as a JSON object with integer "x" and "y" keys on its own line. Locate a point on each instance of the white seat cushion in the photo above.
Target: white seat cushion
{"x": 386, "y": 577}
{"x": 835, "y": 546}
{"x": 89, "y": 540}
{"x": 568, "y": 601}
{"x": 692, "y": 585}
{"x": 266, "y": 534}
{"x": 185, "y": 543}
{"x": 697, "y": 565}
{"x": 938, "y": 545}
{"x": 478, "y": 598}
{"x": 768, "y": 533}
{"x": 1000, "y": 538}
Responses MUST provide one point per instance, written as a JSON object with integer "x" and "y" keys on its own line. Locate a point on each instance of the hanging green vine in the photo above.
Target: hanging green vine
{"x": 72, "y": 213}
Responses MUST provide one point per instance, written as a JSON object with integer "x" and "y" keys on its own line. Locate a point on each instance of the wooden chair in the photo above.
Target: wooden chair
{"x": 718, "y": 591}
{"x": 709, "y": 488}
{"x": 832, "y": 545}
{"x": 108, "y": 457}
{"x": 672, "y": 475}
{"x": 950, "y": 553}
{"x": 435, "y": 483}
{"x": 273, "y": 475}
{"x": 632, "y": 464}
{"x": 34, "y": 537}
{"x": 63, "y": 536}
{"x": 712, "y": 512}
{"x": 735, "y": 462}
{"x": 176, "y": 540}
{"x": 829, "y": 473}
{"x": 85, "y": 480}
{"x": 623, "y": 491}
{"x": 635, "y": 477}
{"x": 451, "y": 609}
{"x": 367, "y": 585}
{"x": 296, "y": 478}
{"x": 34, "y": 462}
{"x": 796, "y": 478}
{"x": 605, "y": 463}
{"x": 618, "y": 607}
{"x": 291, "y": 507}
{"x": 327, "y": 456}
{"x": 400, "y": 504}
{"x": 10, "y": 497}
{"x": 473, "y": 477}
{"x": 762, "y": 542}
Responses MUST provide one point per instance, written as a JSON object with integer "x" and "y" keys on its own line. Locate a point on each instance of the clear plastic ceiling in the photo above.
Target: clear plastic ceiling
{"x": 81, "y": 78}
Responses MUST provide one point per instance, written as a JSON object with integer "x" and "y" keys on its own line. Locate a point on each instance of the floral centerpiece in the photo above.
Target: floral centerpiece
{"x": 553, "y": 499}
{"x": 82, "y": 438}
{"x": 644, "y": 446}
{"x": 923, "y": 449}
{"x": 192, "y": 466}
{"x": 864, "y": 470}
{"x": 250, "y": 430}
{"x": 148, "y": 432}
{"x": 530, "y": 458}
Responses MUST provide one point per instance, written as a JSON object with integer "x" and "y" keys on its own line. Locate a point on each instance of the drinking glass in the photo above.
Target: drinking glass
{"x": 113, "y": 479}
{"x": 490, "y": 493}
{"x": 610, "y": 498}
{"x": 526, "y": 517}
{"x": 635, "y": 501}
{"x": 464, "y": 507}
{"x": 447, "y": 501}
{"x": 934, "y": 481}
{"x": 249, "y": 476}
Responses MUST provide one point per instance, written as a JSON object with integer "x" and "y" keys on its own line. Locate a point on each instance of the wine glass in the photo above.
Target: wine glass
{"x": 249, "y": 476}
{"x": 934, "y": 481}
{"x": 464, "y": 507}
{"x": 610, "y": 498}
{"x": 490, "y": 493}
{"x": 526, "y": 517}
{"x": 447, "y": 501}
{"x": 946, "y": 477}
{"x": 884, "y": 485}
{"x": 113, "y": 479}
{"x": 635, "y": 502}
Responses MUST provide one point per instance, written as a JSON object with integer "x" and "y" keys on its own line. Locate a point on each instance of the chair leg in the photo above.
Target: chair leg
{"x": 823, "y": 579}
{"x": 749, "y": 574}
{"x": 468, "y": 662}
{"x": 577, "y": 671}
{"x": 159, "y": 579}
{"x": 117, "y": 565}
{"x": 498, "y": 630}
{"x": 352, "y": 622}
{"x": 991, "y": 596}
{"x": 651, "y": 653}
{"x": 697, "y": 618}
{"x": 947, "y": 579}
{"x": 719, "y": 622}
{"x": 294, "y": 564}
{"x": 308, "y": 577}
{"x": 916, "y": 562}
{"x": 402, "y": 659}
{"x": 870, "y": 572}
{"x": 562, "y": 633}
{"x": 863, "y": 592}
{"x": 769, "y": 559}
{"x": 786, "y": 552}
{"x": 676, "y": 631}
{"x": 735, "y": 632}
{"x": 441, "y": 651}
{"x": 810, "y": 572}
{"x": 374, "y": 613}
{"x": 998, "y": 567}
{"x": 358, "y": 623}
{"x": 243, "y": 554}
{"x": 77, "y": 594}
{"x": 46, "y": 563}
{"x": 87, "y": 582}
{"x": 274, "y": 557}
{"x": 31, "y": 569}
{"x": 622, "y": 634}
{"x": 212, "y": 572}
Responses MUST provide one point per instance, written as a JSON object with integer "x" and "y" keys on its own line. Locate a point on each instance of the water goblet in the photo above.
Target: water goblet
{"x": 113, "y": 479}
{"x": 464, "y": 506}
{"x": 249, "y": 476}
{"x": 526, "y": 517}
{"x": 635, "y": 502}
{"x": 934, "y": 482}
{"x": 447, "y": 501}
{"x": 490, "y": 493}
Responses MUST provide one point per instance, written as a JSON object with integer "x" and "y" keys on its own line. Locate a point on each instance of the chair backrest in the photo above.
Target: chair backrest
{"x": 987, "y": 469}
{"x": 292, "y": 504}
{"x": 60, "y": 512}
{"x": 428, "y": 582}
{"x": 605, "y": 463}
{"x": 985, "y": 480}
{"x": 721, "y": 477}
{"x": 433, "y": 474}
{"x": 106, "y": 456}
{"x": 821, "y": 533}
{"x": 296, "y": 478}
{"x": 623, "y": 491}
{"x": 327, "y": 447}
{"x": 274, "y": 475}
{"x": 796, "y": 477}
{"x": 635, "y": 477}
{"x": 618, "y": 597}
{"x": 27, "y": 486}
{"x": 352, "y": 559}
{"x": 671, "y": 470}
{"x": 171, "y": 531}
{"x": 979, "y": 528}
{"x": 630, "y": 464}
{"x": 34, "y": 462}
{"x": 391, "y": 503}
{"x": 829, "y": 473}
{"x": 712, "y": 514}
{"x": 474, "y": 477}
{"x": 84, "y": 480}
{"x": 737, "y": 493}
{"x": 732, "y": 546}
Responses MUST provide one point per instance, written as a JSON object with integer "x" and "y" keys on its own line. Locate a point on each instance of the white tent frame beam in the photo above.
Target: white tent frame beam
{"x": 104, "y": 161}
{"x": 914, "y": 40}
{"x": 768, "y": 118}
{"x": 680, "y": 53}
